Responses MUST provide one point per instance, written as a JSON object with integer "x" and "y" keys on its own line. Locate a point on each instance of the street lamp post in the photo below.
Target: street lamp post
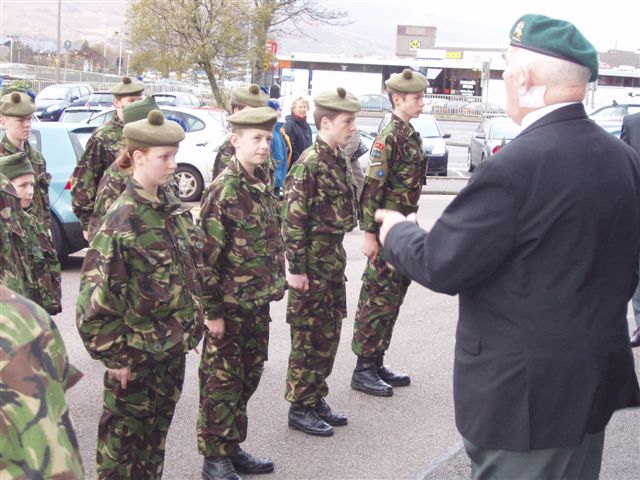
{"x": 128, "y": 61}
{"x": 121, "y": 36}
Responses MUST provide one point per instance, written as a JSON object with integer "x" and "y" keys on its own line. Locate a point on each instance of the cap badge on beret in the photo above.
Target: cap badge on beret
{"x": 517, "y": 31}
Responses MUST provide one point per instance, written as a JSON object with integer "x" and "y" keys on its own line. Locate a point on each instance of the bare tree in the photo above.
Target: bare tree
{"x": 179, "y": 34}
{"x": 278, "y": 17}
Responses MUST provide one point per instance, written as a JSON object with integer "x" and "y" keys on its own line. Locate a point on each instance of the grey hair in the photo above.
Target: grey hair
{"x": 551, "y": 71}
{"x": 298, "y": 100}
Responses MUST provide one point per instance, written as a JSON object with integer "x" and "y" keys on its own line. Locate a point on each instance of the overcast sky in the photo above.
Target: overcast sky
{"x": 605, "y": 24}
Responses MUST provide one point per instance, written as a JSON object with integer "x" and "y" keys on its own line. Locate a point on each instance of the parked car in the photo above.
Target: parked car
{"x": 205, "y": 132}
{"x": 177, "y": 99}
{"x": 447, "y": 107}
{"x": 96, "y": 99}
{"x": 490, "y": 136}
{"x": 62, "y": 145}
{"x": 375, "y": 102}
{"x": 54, "y": 99}
{"x": 79, "y": 114}
{"x": 610, "y": 117}
{"x": 432, "y": 142}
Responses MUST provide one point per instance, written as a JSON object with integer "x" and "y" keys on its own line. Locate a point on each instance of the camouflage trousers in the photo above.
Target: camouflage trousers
{"x": 316, "y": 318}
{"x": 383, "y": 291}
{"x": 135, "y": 421}
{"x": 230, "y": 371}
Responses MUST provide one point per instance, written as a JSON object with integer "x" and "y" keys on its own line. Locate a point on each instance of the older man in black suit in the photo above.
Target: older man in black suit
{"x": 542, "y": 248}
{"x": 631, "y": 135}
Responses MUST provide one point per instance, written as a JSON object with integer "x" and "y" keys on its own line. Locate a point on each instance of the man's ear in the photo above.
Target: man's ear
{"x": 234, "y": 139}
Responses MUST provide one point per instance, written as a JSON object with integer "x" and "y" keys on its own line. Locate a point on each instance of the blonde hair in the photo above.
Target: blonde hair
{"x": 297, "y": 101}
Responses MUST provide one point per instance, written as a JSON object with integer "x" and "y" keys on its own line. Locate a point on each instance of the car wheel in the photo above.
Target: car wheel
{"x": 190, "y": 183}
{"x": 470, "y": 166}
{"x": 59, "y": 240}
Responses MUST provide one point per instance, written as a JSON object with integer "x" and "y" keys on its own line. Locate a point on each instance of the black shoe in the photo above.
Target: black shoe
{"x": 219, "y": 468}
{"x": 244, "y": 462}
{"x": 324, "y": 412}
{"x": 387, "y": 375}
{"x": 635, "y": 338}
{"x": 306, "y": 420}
{"x": 366, "y": 379}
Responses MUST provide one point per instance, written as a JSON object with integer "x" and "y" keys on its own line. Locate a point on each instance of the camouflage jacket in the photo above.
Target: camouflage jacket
{"x": 226, "y": 151}
{"x": 103, "y": 147}
{"x": 140, "y": 284}
{"x": 243, "y": 249}
{"x": 111, "y": 185}
{"x": 36, "y": 433}
{"x": 40, "y": 206}
{"x": 14, "y": 270}
{"x": 320, "y": 199}
{"x": 45, "y": 288}
{"x": 396, "y": 171}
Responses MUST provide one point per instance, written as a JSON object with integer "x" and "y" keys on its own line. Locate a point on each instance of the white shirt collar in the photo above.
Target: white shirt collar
{"x": 536, "y": 115}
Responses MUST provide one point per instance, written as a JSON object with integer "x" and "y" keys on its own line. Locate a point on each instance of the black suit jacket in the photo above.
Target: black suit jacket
{"x": 631, "y": 131}
{"x": 542, "y": 247}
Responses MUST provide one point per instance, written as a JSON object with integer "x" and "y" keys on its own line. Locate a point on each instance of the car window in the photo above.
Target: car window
{"x": 608, "y": 113}
{"x": 194, "y": 124}
{"x": 79, "y": 139}
{"x": 481, "y": 128}
{"x": 165, "y": 99}
{"x": 35, "y": 140}
{"x": 427, "y": 127}
{"x": 631, "y": 109}
{"x": 102, "y": 118}
{"x": 78, "y": 116}
{"x": 500, "y": 130}
{"x": 53, "y": 93}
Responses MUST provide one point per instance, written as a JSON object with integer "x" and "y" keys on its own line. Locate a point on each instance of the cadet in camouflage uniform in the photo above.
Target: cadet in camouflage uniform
{"x": 115, "y": 178}
{"x": 14, "y": 271}
{"x": 138, "y": 311}
{"x": 320, "y": 207}
{"x": 37, "y": 439}
{"x": 39, "y": 253}
{"x": 241, "y": 98}
{"x": 15, "y": 117}
{"x": 101, "y": 150}
{"x": 394, "y": 181}
{"x": 244, "y": 257}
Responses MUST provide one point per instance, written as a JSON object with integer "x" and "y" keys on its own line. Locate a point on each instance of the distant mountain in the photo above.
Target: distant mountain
{"x": 371, "y": 30}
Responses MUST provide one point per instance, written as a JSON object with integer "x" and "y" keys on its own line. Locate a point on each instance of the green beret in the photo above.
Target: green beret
{"x": 16, "y": 104}
{"x": 128, "y": 88}
{"x": 139, "y": 109}
{"x": 15, "y": 165}
{"x": 261, "y": 118}
{"x": 556, "y": 38}
{"x": 408, "y": 81}
{"x": 251, "y": 96}
{"x": 338, "y": 100}
{"x": 153, "y": 131}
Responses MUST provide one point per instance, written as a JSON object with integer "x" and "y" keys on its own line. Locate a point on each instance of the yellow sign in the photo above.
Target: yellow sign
{"x": 414, "y": 44}
{"x": 454, "y": 55}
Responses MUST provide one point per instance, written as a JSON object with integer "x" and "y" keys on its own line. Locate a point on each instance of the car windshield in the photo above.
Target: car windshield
{"x": 427, "y": 127}
{"x": 165, "y": 99}
{"x": 53, "y": 93}
{"x": 79, "y": 116}
{"x": 101, "y": 98}
{"x": 508, "y": 131}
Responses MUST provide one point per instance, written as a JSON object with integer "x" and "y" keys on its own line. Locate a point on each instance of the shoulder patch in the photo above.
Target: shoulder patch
{"x": 378, "y": 146}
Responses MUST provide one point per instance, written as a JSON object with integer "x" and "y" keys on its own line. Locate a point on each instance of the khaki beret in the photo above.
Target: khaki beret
{"x": 556, "y": 38}
{"x": 15, "y": 165}
{"x": 251, "y": 96}
{"x": 338, "y": 100}
{"x": 153, "y": 131}
{"x": 139, "y": 110}
{"x": 128, "y": 88}
{"x": 261, "y": 118}
{"x": 409, "y": 81}
{"x": 16, "y": 104}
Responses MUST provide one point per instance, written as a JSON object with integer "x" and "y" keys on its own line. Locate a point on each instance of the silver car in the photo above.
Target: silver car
{"x": 490, "y": 136}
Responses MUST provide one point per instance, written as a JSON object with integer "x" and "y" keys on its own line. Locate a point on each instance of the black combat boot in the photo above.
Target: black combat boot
{"x": 244, "y": 462}
{"x": 387, "y": 375}
{"x": 366, "y": 379}
{"x": 328, "y": 415}
{"x": 306, "y": 420}
{"x": 219, "y": 468}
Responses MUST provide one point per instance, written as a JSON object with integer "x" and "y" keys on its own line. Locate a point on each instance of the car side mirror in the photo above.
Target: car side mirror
{"x": 446, "y": 135}
{"x": 74, "y": 98}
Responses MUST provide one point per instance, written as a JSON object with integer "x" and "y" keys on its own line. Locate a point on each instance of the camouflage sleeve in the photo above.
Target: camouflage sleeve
{"x": 299, "y": 191}
{"x": 102, "y": 301}
{"x": 373, "y": 189}
{"x": 85, "y": 179}
{"x": 225, "y": 152}
{"x": 37, "y": 436}
{"x": 211, "y": 221}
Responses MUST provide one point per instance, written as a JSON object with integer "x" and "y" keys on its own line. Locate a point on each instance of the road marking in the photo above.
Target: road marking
{"x": 438, "y": 462}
